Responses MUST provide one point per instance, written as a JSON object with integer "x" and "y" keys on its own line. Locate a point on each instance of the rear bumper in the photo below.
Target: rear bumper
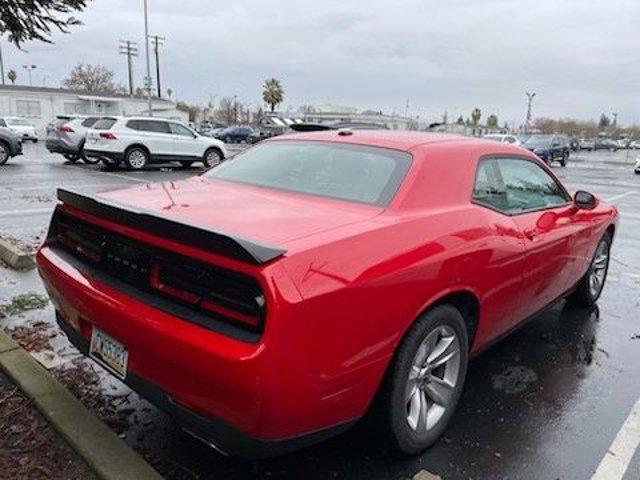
{"x": 214, "y": 431}
{"x": 113, "y": 157}
{"x": 59, "y": 146}
{"x": 218, "y": 388}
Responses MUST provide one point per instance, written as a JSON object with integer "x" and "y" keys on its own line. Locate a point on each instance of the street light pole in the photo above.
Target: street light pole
{"x": 1, "y": 65}
{"x": 30, "y": 68}
{"x": 146, "y": 48}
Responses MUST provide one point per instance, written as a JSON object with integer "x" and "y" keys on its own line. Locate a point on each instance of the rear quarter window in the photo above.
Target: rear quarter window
{"x": 89, "y": 122}
{"x": 104, "y": 124}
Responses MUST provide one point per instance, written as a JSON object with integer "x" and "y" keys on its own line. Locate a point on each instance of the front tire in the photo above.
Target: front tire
{"x": 425, "y": 380}
{"x": 591, "y": 285}
{"x": 212, "y": 157}
{"x": 136, "y": 158}
{"x": 88, "y": 160}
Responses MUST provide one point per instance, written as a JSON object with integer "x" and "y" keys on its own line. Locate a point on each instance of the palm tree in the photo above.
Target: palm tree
{"x": 272, "y": 93}
{"x": 12, "y": 76}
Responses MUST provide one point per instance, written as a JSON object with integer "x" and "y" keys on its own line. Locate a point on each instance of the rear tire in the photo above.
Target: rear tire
{"x": 4, "y": 153}
{"x": 424, "y": 381}
{"x": 136, "y": 158}
{"x": 563, "y": 160}
{"x": 591, "y": 285}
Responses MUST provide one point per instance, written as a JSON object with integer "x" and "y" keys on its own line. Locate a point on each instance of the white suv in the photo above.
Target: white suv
{"x": 138, "y": 141}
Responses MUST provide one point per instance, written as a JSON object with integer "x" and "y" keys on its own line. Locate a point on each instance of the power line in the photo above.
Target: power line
{"x": 130, "y": 49}
{"x": 157, "y": 41}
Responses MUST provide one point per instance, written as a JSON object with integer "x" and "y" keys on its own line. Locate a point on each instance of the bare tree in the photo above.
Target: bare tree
{"x": 226, "y": 111}
{"x": 26, "y": 20}
{"x": 92, "y": 78}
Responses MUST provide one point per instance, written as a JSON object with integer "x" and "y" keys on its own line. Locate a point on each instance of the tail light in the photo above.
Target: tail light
{"x": 215, "y": 294}
{"x": 108, "y": 136}
{"x": 218, "y": 295}
{"x": 65, "y": 129}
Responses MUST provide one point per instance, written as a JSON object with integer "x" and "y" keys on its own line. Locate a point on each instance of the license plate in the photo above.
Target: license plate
{"x": 109, "y": 352}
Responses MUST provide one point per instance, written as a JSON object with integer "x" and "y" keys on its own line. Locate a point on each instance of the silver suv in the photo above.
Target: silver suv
{"x": 67, "y": 136}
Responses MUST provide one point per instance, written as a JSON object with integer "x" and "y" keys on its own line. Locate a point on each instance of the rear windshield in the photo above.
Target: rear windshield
{"x": 104, "y": 124}
{"x": 354, "y": 173}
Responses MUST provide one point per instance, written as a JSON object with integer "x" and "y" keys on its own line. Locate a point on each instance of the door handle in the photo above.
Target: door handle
{"x": 531, "y": 233}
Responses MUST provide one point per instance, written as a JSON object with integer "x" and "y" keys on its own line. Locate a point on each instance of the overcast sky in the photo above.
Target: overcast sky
{"x": 582, "y": 57}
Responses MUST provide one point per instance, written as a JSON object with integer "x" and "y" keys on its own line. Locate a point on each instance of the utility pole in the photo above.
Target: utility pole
{"x": 1, "y": 65}
{"x": 146, "y": 48}
{"x": 157, "y": 43}
{"x": 235, "y": 108}
{"x": 528, "y": 121}
{"x": 30, "y": 68}
{"x": 130, "y": 49}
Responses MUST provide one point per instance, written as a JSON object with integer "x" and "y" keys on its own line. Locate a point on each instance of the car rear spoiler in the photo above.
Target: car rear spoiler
{"x": 170, "y": 228}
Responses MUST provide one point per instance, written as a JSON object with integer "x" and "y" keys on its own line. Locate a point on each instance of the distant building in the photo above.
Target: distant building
{"x": 463, "y": 129}
{"x": 40, "y": 105}
{"x": 335, "y": 113}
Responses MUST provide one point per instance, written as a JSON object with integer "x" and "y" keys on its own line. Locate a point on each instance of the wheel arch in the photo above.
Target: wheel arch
{"x": 467, "y": 303}
{"x": 138, "y": 145}
{"x": 216, "y": 148}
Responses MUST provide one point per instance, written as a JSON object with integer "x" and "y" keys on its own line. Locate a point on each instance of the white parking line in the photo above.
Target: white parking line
{"x": 111, "y": 174}
{"x": 618, "y": 197}
{"x": 19, "y": 213}
{"x": 616, "y": 461}
{"x": 54, "y": 187}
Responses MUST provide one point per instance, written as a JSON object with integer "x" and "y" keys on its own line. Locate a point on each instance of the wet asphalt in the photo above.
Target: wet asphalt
{"x": 545, "y": 403}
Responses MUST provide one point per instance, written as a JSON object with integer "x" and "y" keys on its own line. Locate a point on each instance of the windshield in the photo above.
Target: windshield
{"x": 538, "y": 141}
{"x": 18, "y": 122}
{"x": 347, "y": 172}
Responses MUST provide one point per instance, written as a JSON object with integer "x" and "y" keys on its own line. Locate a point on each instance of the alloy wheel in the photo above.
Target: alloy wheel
{"x": 212, "y": 158}
{"x": 137, "y": 159}
{"x": 432, "y": 379}
{"x": 599, "y": 268}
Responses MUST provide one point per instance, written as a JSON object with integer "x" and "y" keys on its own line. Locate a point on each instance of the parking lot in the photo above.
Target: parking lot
{"x": 551, "y": 401}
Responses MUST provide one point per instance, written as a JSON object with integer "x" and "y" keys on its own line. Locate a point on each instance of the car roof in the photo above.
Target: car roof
{"x": 394, "y": 139}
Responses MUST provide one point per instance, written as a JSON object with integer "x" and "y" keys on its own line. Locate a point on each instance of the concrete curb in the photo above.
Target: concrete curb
{"x": 105, "y": 453}
{"x": 14, "y": 255}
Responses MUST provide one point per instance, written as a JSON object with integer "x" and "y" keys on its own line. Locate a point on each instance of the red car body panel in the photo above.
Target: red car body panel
{"x": 353, "y": 279}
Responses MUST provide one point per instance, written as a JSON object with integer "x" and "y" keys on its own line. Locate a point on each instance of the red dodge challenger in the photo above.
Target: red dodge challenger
{"x": 272, "y": 301}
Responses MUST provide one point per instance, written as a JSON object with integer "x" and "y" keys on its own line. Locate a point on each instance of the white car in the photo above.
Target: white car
{"x": 139, "y": 141}
{"x": 637, "y": 167}
{"x": 21, "y": 127}
{"x": 503, "y": 138}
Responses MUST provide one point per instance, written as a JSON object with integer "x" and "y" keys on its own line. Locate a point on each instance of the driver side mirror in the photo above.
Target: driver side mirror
{"x": 585, "y": 200}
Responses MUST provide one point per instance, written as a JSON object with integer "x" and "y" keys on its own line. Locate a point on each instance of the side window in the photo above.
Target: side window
{"x": 153, "y": 126}
{"x": 133, "y": 125}
{"x": 181, "y": 130}
{"x": 488, "y": 188}
{"x": 528, "y": 186}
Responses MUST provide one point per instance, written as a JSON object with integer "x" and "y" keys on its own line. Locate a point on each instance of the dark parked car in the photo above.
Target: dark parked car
{"x": 235, "y": 134}
{"x": 262, "y": 133}
{"x": 549, "y": 147}
{"x": 10, "y": 145}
